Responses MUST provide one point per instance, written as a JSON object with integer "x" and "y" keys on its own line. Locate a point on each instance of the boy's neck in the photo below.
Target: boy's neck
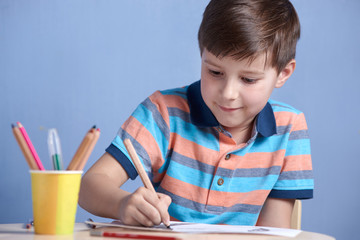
{"x": 241, "y": 135}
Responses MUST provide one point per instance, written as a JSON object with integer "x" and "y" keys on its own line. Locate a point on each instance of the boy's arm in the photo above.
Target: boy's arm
{"x": 100, "y": 194}
{"x": 276, "y": 212}
{"x": 99, "y": 191}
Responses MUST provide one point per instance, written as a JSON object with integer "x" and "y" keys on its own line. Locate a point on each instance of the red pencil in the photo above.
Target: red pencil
{"x": 130, "y": 236}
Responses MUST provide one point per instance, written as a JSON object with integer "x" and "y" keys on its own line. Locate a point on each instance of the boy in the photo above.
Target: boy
{"x": 217, "y": 151}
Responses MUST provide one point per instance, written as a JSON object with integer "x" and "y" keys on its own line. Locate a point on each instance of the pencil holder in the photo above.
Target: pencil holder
{"x": 55, "y": 196}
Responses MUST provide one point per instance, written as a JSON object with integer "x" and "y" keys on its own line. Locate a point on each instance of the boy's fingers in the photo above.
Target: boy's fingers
{"x": 151, "y": 207}
{"x": 143, "y": 220}
{"x": 161, "y": 203}
{"x": 139, "y": 209}
{"x": 165, "y": 198}
{"x": 150, "y": 212}
{"x": 165, "y": 201}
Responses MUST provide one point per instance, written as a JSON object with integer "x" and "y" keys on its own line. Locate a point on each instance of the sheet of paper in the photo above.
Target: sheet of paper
{"x": 194, "y": 228}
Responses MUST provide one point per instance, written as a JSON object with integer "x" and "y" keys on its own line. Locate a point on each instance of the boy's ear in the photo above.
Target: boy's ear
{"x": 285, "y": 73}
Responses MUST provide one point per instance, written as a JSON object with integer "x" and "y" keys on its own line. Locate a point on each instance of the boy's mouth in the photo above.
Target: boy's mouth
{"x": 228, "y": 109}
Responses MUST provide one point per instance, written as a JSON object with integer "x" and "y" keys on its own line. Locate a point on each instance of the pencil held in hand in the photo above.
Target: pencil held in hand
{"x": 139, "y": 168}
{"x": 83, "y": 152}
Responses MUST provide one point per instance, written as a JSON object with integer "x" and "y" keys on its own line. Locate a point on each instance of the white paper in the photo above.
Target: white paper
{"x": 186, "y": 227}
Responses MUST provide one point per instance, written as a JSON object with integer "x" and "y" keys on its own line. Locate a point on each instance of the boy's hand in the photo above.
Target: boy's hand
{"x": 143, "y": 207}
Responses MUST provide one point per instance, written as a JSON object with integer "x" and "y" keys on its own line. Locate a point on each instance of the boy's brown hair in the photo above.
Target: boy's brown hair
{"x": 244, "y": 29}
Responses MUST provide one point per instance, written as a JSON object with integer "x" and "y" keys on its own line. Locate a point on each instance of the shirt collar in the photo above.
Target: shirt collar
{"x": 202, "y": 116}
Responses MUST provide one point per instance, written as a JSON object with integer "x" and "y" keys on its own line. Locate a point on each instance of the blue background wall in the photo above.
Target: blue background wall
{"x": 73, "y": 64}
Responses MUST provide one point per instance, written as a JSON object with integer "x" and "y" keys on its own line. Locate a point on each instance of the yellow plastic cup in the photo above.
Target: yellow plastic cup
{"x": 55, "y": 195}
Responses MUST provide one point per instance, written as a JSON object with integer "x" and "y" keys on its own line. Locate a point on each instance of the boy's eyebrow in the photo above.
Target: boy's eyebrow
{"x": 253, "y": 72}
{"x": 246, "y": 71}
{"x": 211, "y": 63}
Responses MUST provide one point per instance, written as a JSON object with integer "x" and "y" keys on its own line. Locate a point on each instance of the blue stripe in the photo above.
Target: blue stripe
{"x": 189, "y": 175}
{"x": 245, "y": 184}
{"x": 224, "y": 172}
{"x": 233, "y": 218}
{"x": 280, "y": 107}
{"x": 298, "y": 147}
{"x": 270, "y": 144}
{"x": 176, "y": 91}
{"x": 204, "y": 180}
{"x": 201, "y": 136}
{"x": 142, "y": 154}
{"x": 297, "y": 184}
{"x": 217, "y": 210}
{"x": 159, "y": 120}
{"x": 145, "y": 117}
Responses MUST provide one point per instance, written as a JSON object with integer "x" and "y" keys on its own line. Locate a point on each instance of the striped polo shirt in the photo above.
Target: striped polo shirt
{"x": 210, "y": 178}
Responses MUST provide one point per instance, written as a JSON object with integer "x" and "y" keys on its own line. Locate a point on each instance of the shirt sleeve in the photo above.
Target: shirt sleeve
{"x": 148, "y": 130}
{"x": 296, "y": 177}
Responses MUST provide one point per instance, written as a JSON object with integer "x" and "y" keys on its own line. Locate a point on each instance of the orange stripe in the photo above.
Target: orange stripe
{"x": 158, "y": 100}
{"x": 287, "y": 118}
{"x": 300, "y": 123}
{"x": 176, "y": 102}
{"x": 284, "y": 118}
{"x": 214, "y": 158}
{"x": 144, "y": 137}
{"x": 297, "y": 163}
{"x": 216, "y": 198}
{"x": 185, "y": 190}
{"x": 193, "y": 150}
{"x": 228, "y": 199}
{"x": 263, "y": 159}
{"x": 253, "y": 160}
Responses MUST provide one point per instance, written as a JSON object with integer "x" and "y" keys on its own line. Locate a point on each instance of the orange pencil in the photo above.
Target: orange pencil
{"x": 31, "y": 146}
{"x": 81, "y": 151}
{"x": 24, "y": 148}
{"x": 139, "y": 168}
{"x": 82, "y": 162}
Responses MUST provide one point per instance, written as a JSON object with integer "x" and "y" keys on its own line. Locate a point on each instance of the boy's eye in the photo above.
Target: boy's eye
{"x": 215, "y": 73}
{"x": 248, "y": 80}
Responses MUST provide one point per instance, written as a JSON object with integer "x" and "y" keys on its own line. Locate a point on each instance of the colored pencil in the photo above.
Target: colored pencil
{"x": 139, "y": 167}
{"x": 82, "y": 162}
{"x": 31, "y": 146}
{"x": 82, "y": 149}
{"x": 130, "y": 236}
{"x": 24, "y": 148}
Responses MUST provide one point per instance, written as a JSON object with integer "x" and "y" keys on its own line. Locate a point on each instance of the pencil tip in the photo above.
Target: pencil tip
{"x": 12, "y": 125}
{"x": 94, "y": 126}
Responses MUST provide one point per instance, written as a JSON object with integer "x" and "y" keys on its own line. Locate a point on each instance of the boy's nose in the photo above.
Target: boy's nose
{"x": 231, "y": 89}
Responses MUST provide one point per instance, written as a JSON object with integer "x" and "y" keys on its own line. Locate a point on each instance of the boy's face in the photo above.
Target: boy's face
{"x": 236, "y": 91}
